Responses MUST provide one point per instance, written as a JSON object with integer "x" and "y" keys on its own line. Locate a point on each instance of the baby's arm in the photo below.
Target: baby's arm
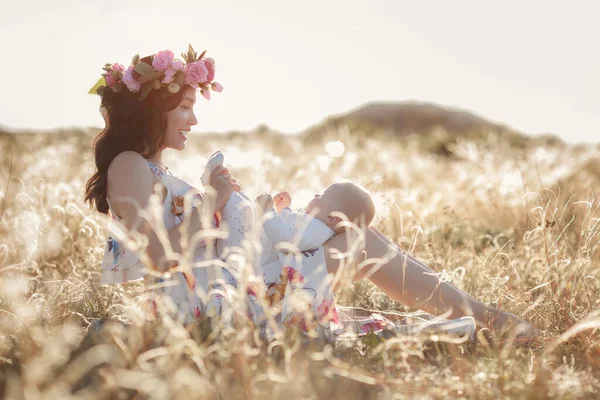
{"x": 306, "y": 233}
{"x": 301, "y": 229}
{"x": 313, "y": 232}
{"x": 276, "y": 227}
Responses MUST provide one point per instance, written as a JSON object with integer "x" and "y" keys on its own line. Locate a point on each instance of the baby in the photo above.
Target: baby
{"x": 322, "y": 218}
{"x": 292, "y": 262}
{"x": 307, "y": 230}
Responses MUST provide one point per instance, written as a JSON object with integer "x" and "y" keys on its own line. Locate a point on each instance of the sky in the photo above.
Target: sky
{"x": 533, "y": 65}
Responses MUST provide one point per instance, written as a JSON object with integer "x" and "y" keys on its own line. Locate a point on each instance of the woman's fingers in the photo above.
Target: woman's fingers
{"x": 221, "y": 173}
{"x": 219, "y": 170}
{"x": 236, "y": 187}
{"x": 223, "y": 182}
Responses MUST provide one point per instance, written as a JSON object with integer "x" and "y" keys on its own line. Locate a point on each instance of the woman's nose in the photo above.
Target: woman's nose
{"x": 194, "y": 120}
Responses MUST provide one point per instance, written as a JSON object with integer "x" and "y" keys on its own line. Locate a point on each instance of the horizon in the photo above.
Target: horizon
{"x": 529, "y": 67}
{"x": 195, "y": 130}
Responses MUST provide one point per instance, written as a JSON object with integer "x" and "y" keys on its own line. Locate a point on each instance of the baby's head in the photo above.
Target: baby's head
{"x": 346, "y": 198}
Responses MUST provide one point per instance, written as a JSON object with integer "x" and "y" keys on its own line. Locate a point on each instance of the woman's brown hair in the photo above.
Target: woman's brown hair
{"x": 130, "y": 125}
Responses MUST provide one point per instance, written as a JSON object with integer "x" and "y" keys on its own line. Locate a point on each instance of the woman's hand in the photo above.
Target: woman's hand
{"x": 224, "y": 185}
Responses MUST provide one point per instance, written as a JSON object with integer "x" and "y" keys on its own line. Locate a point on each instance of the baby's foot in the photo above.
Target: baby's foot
{"x": 215, "y": 160}
{"x": 264, "y": 202}
{"x": 282, "y": 200}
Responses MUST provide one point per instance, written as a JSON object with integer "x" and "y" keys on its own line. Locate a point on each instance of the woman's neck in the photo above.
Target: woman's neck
{"x": 157, "y": 159}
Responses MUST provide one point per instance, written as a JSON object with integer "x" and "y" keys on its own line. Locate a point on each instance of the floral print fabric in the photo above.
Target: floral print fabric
{"x": 297, "y": 288}
{"x": 120, "y": 265}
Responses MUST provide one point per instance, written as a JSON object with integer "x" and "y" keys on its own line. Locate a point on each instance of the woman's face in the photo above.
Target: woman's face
{"x": 180, "y": 120}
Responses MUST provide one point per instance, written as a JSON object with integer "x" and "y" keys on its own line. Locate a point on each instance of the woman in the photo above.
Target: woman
{"x": 148, "y": 108}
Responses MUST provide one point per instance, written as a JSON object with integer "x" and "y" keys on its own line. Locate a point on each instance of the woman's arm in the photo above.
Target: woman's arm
{"x": 130, "y": 184}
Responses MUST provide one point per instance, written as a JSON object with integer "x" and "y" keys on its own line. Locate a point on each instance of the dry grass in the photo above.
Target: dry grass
{"x": 515, "y": 227}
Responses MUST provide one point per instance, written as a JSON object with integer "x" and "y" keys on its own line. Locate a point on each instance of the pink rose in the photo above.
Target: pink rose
{"x": 169, "y": 74}
{"x": 211, "y": 71}
{"x": 111, "y": 79}
{"x": 195, "y": 73}
{"x": 206, "y": 93}
{"x": 130, "y": 81}
{"x": 177, "y": 65}
{"x": 162, "y": 60}
{"x": 115, "y": 74}
{"x": 216, "y": 87}
{"x": 118, "y": 67}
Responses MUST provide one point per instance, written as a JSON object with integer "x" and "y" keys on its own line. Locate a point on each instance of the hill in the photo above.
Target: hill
{"x": 418, "y": 117}
{"x": 408, "y": 117}
{"x": 434, "y": 125}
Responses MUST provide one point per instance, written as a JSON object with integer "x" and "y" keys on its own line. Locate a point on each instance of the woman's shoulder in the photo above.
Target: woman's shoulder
{"x": 128, "y": 159}
{"x": 128, "y": 166}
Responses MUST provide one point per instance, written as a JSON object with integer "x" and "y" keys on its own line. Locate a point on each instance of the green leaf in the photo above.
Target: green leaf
{"x": 147, "y": 72}
{"x": 101, "y": 82}
{"x": 191, "y": 56}
{"x": 144, "y": 69}
{"x": 151, "y": 77}
{"x": 146, "y": 89}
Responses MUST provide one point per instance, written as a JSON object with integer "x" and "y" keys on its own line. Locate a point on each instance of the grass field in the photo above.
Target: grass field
{"x": 514, "y": 224}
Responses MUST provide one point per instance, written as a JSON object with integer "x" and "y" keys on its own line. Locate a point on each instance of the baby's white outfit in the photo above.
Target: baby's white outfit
{"x": 300, "y": 229}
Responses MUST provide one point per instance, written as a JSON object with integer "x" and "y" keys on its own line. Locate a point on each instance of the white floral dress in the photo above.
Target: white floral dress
{"x": 121, "y": 265}
{"x": 298, "y": 288}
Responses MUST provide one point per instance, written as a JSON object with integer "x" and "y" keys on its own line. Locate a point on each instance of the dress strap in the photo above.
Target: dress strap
{"x": 158, "y": 172}
{"x": 112, "y": 212}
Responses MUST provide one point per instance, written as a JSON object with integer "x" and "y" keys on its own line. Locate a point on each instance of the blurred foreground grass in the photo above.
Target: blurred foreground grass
{"x": 515, "y": 225}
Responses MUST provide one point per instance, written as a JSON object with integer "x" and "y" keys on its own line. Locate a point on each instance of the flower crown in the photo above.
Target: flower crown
{"x": 164, "y": 71}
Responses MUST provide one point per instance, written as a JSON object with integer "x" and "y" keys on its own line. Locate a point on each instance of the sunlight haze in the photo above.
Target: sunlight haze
{"x": 531, "y": 65}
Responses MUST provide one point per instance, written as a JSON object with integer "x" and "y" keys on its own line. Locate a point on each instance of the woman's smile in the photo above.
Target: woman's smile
{"x": 184, "y": 133}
